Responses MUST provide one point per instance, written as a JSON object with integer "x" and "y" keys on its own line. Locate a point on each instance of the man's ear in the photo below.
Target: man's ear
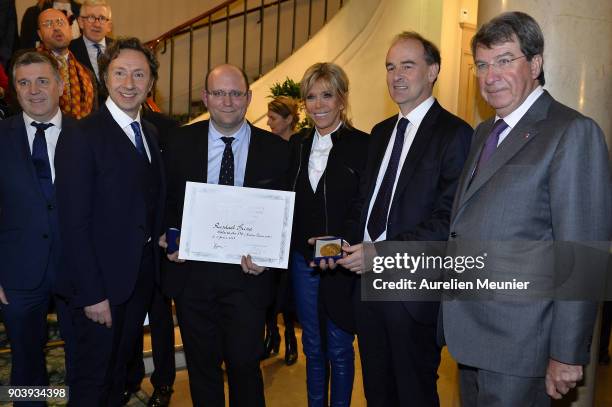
{"x": 536, "y": 65}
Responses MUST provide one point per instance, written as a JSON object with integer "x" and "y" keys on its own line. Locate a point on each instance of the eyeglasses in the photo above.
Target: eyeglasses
{"x": 499, "y": 65}
{"x": 59, "y": 22}
{"x": 93, "y": 19}
{"x": 220, "y": 93}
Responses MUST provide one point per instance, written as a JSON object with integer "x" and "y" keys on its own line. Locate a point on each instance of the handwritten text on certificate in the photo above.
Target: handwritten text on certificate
{"x": 222, "y": 223}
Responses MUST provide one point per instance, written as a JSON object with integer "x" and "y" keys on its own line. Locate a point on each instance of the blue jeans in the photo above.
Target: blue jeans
{"x": 339, "y": 353}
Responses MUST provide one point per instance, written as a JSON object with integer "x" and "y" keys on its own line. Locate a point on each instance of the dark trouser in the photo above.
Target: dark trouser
{"x": 338, "y": 350}
{"x": 606, "y": 327}
{"x": 101, "y": 353}
{"x": 399, "y": 356}
{"x": 483, "y": 388}
{"x": 25, "y": 318}
{"x": 161, "y": 325}
{"x": 219, "y": 323}
{"x": 283, "y": 303}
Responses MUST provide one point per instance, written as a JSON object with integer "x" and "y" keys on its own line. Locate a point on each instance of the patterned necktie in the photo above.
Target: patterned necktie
{"x": 490, "y": 144}
{"x": 40, "y": 158}
{"x": 226, "y": 173}
{"x": 98, "y": 49}
{"x": 377, "y": 223}
{"x": 138, "y": 138}
{"x": 98, "y": 53}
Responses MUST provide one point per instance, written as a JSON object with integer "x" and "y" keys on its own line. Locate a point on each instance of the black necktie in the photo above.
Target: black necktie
{"x": 226, "y": 173}
{"x": 377, "y": 223}
{"x": 40, "y": 158}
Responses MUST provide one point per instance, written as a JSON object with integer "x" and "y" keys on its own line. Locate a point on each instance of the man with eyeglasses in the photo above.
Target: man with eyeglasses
{"x": 537, "y": 172}
{"x": 78, "y": 98}
{"x": 221, "y": 308}
{"x": 96, "y": 24}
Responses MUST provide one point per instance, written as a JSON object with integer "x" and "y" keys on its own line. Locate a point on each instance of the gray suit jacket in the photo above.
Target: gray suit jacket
{"x": 548, "y": 181}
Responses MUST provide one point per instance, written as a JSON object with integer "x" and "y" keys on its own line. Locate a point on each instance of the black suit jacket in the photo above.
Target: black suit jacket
{"x": 103, "y": 209}
{"x": 9, "y": 40}
{"x": 421, "y": 206}
{"x": 338, "y": 194}
{"x": 79, "y": 50}
{"x": 185, "y": 156}
{"x": 28, "y": 240}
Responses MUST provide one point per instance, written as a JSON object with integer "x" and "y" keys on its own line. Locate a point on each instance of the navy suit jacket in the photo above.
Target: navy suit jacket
{"x": 28, "y": 239}
{"x": 103, "y": 209}
{"x": 423, "y": 199}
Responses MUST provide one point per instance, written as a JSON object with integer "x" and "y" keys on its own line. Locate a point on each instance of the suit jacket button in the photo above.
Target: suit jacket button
{"x": 50, "y": 207}
{"x": 45, "y": 236}
{"x": 453, "y": 235}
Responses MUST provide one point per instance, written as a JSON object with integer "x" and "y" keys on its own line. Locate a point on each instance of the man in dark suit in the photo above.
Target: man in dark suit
{"x": 221, "y": 307}
{"x": 415, "y": 161}
{"x": 537, "y": 173}
{"x": 113, "y": 190}
{"x": 9, "y": 40}
{"x": 95, "y": 22}
{"x": 29, "y": 230}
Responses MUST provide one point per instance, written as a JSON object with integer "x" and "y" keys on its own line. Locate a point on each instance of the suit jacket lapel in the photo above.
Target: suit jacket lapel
{"x": 524, "y": 131}
{"x": 22, "y": 145}
{"x": 385, "y": 136}
{"x": 419, "y": 144}
{"x": 255, "y": 151}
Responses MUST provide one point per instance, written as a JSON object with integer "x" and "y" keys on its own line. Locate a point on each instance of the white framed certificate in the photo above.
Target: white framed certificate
{"x": 222, "y": 223}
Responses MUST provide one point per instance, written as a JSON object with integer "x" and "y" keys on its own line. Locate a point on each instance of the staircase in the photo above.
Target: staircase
{"x": 255, "y": 35}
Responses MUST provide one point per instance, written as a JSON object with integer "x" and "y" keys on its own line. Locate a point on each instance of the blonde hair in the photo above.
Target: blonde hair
{"x": 285, "y": 106}
{"x": 334, "y": 77}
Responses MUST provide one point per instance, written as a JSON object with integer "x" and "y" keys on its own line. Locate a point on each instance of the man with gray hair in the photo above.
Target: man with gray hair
{"x": 96, "y": 24}
{"x": 537, "y": 172}
{"x": 29, "y": 231}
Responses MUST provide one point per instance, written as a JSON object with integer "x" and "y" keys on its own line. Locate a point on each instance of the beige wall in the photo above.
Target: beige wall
{"x": 450, "y": 48}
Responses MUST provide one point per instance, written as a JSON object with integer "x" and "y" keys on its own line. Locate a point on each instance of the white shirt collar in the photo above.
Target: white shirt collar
{"x": 216, "y": 134}
{"x": 416, "y": 115}
{"x": 89, "y": 43}
{"x": 319, "y": 136}
{"x": 513, "y": 118}
{"x": 56, "y": 120}
{"x": 122, "y": 118}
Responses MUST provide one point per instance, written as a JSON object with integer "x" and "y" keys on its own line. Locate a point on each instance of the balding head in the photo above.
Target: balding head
{"x": 227, "y": 96}
{"x": 54, "y": 30}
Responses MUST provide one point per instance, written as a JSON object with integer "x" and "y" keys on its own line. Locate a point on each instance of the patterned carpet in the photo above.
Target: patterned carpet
{"x": 55, "y": 365}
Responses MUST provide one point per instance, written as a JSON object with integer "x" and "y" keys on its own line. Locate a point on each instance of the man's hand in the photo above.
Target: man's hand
{"x": 354, "y": 259}
{"x": 561, "y": 378}
{"x": 3, "y": 299}
{"x": 164, "y": 245}
{"x": 100, "y": 313}
{"x": 249, "y": 267}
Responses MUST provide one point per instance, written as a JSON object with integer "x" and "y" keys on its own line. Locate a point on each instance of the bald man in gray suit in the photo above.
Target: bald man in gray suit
{"x": 537, "y": 172}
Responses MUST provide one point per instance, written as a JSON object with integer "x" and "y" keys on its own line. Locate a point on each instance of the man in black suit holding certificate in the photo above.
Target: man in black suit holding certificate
{"x": 221, "y": 307}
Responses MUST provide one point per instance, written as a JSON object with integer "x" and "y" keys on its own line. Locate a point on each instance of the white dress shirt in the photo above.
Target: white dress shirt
{"x": 92, "y": 52}
{"x": 317, "y": 162}
{"x": 415, "y": 117}
{"x": 51, "y": 136}
{"x": 124, "y": 121}
{"x": 513, "y": 118}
